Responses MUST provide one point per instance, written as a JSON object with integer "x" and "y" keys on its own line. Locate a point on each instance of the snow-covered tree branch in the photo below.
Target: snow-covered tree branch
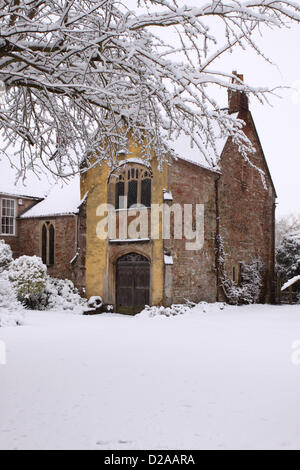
{"x": 80, "y": 76}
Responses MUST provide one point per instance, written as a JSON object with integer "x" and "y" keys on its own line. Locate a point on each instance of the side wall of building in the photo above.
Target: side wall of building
{"x": 193, "y": 272}
{"x": 14, "y": 240}
{"x": 101, "y": 255}
{"x": 247, "y": 209}
{"x": 30, "y": 242}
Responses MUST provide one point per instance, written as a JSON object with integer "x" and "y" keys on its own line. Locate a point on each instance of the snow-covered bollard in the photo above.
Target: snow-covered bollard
{"x": 95, "y": 306}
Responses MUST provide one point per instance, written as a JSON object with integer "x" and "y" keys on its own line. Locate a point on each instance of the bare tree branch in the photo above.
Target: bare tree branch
{"x": 82, "y": 76}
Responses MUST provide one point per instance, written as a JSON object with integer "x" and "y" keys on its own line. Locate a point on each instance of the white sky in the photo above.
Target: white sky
{"x": 278, "y": 126}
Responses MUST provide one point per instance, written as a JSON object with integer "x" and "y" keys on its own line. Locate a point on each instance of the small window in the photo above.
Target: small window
{"x": 8, "y": 217}
{"x": 51, "y": 245}
{"x": 236, "y": 273}
{"x": 44, "y": 244}
{"x": 48, "y": 244}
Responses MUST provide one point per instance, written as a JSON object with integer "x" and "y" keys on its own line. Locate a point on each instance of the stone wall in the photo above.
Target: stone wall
{"x": 247, "y": 209}
{"x": 193, "y": 272}
{"x": 30, "y": 239}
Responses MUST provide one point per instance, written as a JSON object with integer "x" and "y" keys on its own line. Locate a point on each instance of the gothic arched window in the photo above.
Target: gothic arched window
{"x": 131, "y": 186}
{"x": 48, "y": 242}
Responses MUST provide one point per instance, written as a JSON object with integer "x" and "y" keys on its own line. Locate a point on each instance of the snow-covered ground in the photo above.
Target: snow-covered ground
{"x": 218, "y": 379}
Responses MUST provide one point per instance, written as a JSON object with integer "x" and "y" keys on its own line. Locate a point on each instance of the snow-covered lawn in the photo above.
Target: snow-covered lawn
{"x": 220, "y": 379}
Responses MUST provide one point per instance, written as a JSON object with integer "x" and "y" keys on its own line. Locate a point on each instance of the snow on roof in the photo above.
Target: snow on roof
{"x": 290, "y": 283}
{"x": 63, "y": 199}
{"x": 182, "y": 147}
{"x": 133, "y": 160}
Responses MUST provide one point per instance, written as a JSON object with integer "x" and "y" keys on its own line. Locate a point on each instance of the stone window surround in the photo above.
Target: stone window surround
{"x": 47, "y": 224}
{"x": 130, "y": 172}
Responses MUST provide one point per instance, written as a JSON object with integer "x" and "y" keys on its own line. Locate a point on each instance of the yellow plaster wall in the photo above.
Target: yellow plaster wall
{"x": 95, "y": 181}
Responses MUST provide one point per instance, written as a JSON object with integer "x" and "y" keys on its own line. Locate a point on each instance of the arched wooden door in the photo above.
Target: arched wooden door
{"x": 132, "y": 283}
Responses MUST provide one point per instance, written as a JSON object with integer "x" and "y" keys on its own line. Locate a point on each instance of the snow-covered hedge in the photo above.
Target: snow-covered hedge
{"x": 28, "y": 276}
{"x": 24, "y": 283}
{"x": 11, "y": 311}
{"x": 288, "y": 260}
{"x": 61, "y": 294}
{"x": 176, "y": 309}
{"x": 181, "y": 309}
{"x": 5, "y": 256}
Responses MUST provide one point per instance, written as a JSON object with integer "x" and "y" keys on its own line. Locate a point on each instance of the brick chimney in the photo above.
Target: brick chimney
{"x": 237, "y": 100}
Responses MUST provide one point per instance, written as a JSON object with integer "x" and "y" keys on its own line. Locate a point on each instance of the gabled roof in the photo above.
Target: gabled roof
{"x": 20, "y": 195}
{"x": 62, "y": 199}
{"x": 182, "y": 148}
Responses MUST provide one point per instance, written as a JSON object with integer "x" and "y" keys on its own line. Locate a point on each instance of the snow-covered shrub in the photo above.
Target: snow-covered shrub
{"x": 249, "y": 289}
{"x": 176, "y": 309}
{"x": 288, "y": 256}
{"x": 28, "y": 275}
{"x": 5, "y": 255}
{"x": 288, "y": 261}
{"x": 27, "y": 283}
{"x": 205, "y": 307}
{"x": 10, "y": 308}
{"x": 60, "y": 294}
{"x": 181, "y": 309}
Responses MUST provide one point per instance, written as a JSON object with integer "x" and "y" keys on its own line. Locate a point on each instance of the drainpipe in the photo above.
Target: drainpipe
{"x": 76, "y": 233}
{"x": 273, "y": 276}
{"x": 217, "y": 237}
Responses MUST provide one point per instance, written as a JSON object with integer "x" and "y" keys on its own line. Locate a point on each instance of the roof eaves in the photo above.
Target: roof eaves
{"x": 213, "y": 170}
{"x": 35, "y": 198}
{"x": 43, "y": 216}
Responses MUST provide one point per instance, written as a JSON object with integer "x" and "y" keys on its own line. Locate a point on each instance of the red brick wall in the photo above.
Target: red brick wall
{"x": 247, "y": 209}
{"x": 13, "y": 241}
{"x": 30, "y": 231}
{"x": 194, "y": 271}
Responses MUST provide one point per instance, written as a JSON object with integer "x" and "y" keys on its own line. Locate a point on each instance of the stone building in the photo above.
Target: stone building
{"x": 128, "y": 268}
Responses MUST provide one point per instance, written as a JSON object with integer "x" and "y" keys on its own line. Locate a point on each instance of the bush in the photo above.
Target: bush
{"x": 28, "y": 275}
{"x": 288, "y": 256}
{"x": 249, "y": 289}
{"x": 176, "y": 309}
{"x": 6, "y": 257}
{"x": 10, "y": 308}
{"x": 61, "y": 294}
{"x": 24, "y": 283}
